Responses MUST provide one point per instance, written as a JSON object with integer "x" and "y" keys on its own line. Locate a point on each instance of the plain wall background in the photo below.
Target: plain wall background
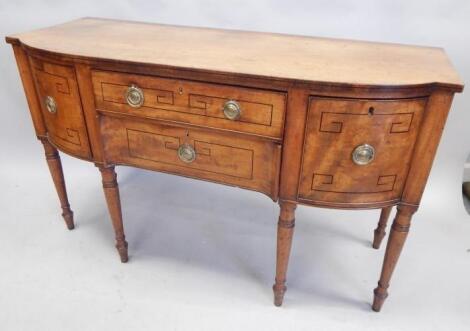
{"x": 428, "y": 289}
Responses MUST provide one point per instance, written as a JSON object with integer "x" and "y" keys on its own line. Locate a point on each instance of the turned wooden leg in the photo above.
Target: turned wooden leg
{"x": 111, "y": 192}
{"x": 285, "y": 230}
{"x": 379, "y": 233}
{"x": 55, "y": 167}
{"x": 396, "y": 240}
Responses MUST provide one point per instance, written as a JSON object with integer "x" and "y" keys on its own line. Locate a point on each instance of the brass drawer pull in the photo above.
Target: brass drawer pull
{"x": 186, "y": 153}
{"x": 134, "y": 96}
{"x": 363, "y": 154}
{"x": 232, "y": 110}
{"x": 51, "y": 105}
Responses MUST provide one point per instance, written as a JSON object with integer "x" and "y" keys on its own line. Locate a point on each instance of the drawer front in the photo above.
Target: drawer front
{"x": 357, "y": 151}
{"x": 260, "y": 112}
{"x": 61, "y": 107}
{"x": 218, "y": 157}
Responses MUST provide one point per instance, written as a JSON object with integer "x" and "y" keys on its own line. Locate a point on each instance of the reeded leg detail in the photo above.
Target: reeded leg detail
{"x": 379, "y": 233}
{"x": 285, "y": 231}
{"x": 396, "y": 240}
{"x": 55, "y": 168}
{"x": 111, "y": 192}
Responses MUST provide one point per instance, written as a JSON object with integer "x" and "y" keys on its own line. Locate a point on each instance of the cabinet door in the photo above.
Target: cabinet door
{"x": 61, "y": 107}
{"x": 357, "y": 152}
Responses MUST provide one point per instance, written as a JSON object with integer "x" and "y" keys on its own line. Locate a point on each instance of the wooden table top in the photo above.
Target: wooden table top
{"x": 331, "y": 61}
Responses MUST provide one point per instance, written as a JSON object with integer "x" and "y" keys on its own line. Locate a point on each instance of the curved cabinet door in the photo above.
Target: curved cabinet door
{"x": 61, "y": 107}
{"x": 357, "y": 152}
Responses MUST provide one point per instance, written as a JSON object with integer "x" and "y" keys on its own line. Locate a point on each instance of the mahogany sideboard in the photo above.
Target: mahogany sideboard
{"x": 320, "y": 122}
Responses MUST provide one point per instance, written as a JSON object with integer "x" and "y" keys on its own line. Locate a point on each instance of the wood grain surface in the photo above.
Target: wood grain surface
{"x": 301, "y": 58}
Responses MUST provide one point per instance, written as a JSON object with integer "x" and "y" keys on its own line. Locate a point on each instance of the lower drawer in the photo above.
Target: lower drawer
{"x": 230, "y": 159}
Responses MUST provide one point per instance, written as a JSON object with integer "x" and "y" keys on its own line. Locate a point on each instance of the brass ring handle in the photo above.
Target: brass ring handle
{"x": 51, "y": 105}
{"x": 186, "y": 153}
{"x": 232, "y": 110}
{"x": 134, "y": 96}
{"x": 363, "y": 154}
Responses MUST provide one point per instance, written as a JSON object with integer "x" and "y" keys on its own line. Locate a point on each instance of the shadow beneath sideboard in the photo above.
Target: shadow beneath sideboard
{"x": 231, "y": 232}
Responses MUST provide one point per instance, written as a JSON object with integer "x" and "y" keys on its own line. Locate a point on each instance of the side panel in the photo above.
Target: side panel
{"x": 430, "y": 134}
{"x": 30, "y": 90}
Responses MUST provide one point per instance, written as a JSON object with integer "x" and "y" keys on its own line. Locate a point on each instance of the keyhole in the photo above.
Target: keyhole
{"x": 180, "y": 90}
{"x": 185, "y": 137}
{"x": 371, "y": 111}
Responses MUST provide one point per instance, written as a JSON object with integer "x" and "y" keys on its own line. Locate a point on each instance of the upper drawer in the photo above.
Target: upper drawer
{"x": 248, "y": 110}
{"x": 358, "y": 151}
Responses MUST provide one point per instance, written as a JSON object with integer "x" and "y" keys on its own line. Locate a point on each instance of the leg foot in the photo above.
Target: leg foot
{"x": 67, "y": 214}
{"x": 395, "y": 243}
{"x": 279, "y": 291}
{"x": 122, "y": 250}
{"x": 111, "y": 192}
{"x": 380, "y": 294}
{"x": 285, "y": 231}
{"x": 55, "y": 168}
{"x": 379, "y": 233}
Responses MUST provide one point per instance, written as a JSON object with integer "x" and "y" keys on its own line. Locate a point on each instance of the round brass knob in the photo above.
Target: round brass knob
{"x": 232, "y": 110}
{"x": 186, "y": 153}
{"x": 51, "y": 105}
{"x": 363, "y": 154}
{"x": 134, "y": 96}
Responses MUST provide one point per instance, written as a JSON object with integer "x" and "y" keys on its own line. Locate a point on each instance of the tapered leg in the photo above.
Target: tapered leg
{"x": 379, "y": 233}
{"x": 285, "y": 230}
{"x": 55, "y": 167}
{"x": 396, "y": 240}
{"x": 111, "y": 192}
